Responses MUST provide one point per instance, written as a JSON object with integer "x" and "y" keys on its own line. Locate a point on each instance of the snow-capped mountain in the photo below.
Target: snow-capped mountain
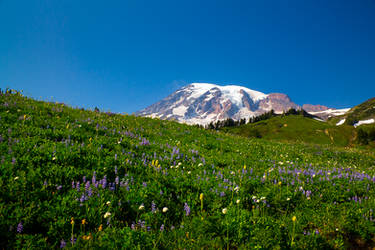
{"x": 201, "y": 103}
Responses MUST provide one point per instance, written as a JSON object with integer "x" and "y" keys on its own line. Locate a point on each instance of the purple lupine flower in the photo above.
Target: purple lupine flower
{"x": 45, "y": 183}
{"x": 187, "y": 209}
{"x": 144, "y": 184}
{"x": 89, "y": 192}
{"x": 161, "y": 192}
{"x": 308, "y": 193}
{"x": 222, "y": 194}
{"x": 87, "y": 186}
{"x": 73, "y": 240}
{"x": 153, "y": 207}
{"x": 83, "y": 179}
{"x": 82, "y": 199}
{"x": 104, "y": 182}
{"x": 316, "y": 231}
{"x": 132, "y": 226}
{"x": 142, "y": 224}
{"x": 93, "y": 180}
{"x": 73, "y": 186}
{"x": 117, "y": 180}
{"x": 59, "y": 187}
{"x": 62, "y": 244}
{"x": 162, "y": 228}
{"x": 19, "y": 228}
{"x": 78, "y": 186}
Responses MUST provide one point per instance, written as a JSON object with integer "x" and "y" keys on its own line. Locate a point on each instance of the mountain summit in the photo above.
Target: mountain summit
{"x": 202, "y": 103}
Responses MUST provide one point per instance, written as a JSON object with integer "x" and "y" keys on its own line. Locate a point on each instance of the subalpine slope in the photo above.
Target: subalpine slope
{"x": 84, "y": 179}
{"x": 362, "y": 112}
{"x": 297, "y": 128}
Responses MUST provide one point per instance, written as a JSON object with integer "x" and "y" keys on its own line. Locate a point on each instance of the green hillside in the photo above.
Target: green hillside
{"x": 362, "y": 111}
{"x": 75, "y": 178}
{"x": 296, "y": 128}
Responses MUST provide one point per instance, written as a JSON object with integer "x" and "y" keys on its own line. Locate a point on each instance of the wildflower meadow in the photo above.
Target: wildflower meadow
{"x": 75, "y": 178}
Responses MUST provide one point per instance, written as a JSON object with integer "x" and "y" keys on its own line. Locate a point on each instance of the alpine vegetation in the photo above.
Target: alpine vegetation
{"x": 74, "y": 178}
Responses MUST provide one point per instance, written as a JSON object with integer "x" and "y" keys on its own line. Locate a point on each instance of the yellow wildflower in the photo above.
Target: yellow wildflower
{"x": 201, "y": 196}
{"x": 87, "y": 237}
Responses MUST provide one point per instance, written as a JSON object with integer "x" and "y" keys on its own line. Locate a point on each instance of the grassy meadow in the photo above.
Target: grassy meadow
{"x": 74, "y": 178}
{"x": 296, "y": 128}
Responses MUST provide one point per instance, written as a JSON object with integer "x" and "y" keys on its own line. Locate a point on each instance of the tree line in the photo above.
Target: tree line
{"x": 265, "y": 116}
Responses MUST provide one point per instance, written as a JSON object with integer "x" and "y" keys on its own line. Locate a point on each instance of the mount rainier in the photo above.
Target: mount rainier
{"x": 202, "y": 103}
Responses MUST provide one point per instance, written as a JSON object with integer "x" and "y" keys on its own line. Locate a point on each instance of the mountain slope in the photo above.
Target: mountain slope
{"x": 361, "y": 114}
{"x": 201, "y": 103}
{"x": 296, "y": 128}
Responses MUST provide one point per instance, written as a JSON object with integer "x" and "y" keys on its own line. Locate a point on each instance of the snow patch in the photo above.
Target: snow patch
{"x": 341, "y": 122}
{"x": 180, "y": 110}
{"x": 369, "y": 121}
{"x": 335, "y": 112}
{"x": 315, "y": 118}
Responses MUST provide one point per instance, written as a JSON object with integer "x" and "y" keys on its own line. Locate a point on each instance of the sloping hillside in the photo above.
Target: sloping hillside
{"x": 296, "y": 128}
{"x": 363, "y": 113}
{"x": 75, "y": 178}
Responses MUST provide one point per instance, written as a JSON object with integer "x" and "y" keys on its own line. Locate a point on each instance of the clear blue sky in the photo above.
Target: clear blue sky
{"x": 125, "y": 55}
